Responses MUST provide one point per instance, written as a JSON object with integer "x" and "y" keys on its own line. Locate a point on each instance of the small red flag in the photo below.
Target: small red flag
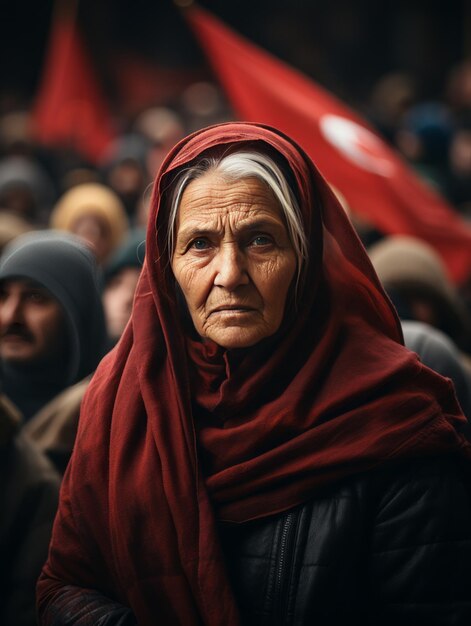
{"x": 374, "y": 179}
{"x": 70, "y": 110}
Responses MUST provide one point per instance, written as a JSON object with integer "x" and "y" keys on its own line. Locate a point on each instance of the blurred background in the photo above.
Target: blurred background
{"x": 99, "y": 91}
{"x": 343, "y": 45}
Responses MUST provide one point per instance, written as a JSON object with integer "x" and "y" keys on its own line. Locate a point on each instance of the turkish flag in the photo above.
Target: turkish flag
{"x": 70, "y": 110}
{"x": 374, "y": 179}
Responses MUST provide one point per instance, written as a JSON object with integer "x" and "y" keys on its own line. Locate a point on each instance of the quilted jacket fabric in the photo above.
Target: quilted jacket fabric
{"x": 386, "y": 548}
{"x": 380, "y": 549}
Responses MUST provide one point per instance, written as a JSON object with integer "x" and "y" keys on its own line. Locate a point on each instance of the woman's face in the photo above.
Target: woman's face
{"x": 233, "y": 259}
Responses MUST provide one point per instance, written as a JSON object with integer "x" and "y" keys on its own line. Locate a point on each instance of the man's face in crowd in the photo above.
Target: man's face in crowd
{"x": 32, "y": 323}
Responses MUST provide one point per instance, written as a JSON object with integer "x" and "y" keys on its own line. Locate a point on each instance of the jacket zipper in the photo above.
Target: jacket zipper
{"x": 283, "y": 568}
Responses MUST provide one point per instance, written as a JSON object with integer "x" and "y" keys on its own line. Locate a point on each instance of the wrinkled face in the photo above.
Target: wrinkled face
{"x": 117, "y": 299}
{"x": 32, "y": 323}
{"x": 233, "y": 259}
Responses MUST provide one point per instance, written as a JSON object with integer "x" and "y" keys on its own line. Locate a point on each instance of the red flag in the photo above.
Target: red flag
{"x": 70, "y": 110}
{"x": 374, "y": 179}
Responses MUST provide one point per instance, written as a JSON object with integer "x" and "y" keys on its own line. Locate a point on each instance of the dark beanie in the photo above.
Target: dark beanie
{"x": 66, "y": 267}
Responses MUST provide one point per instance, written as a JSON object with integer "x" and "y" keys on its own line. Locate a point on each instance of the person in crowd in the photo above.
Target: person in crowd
{"x": 424, "y": 137}
{"x": 11, "y": 226}
{"x": 162, "y": 127}
{"x": 52, "y": 328}
{"x": 204, "y": 103}
{"x": 15, "y": 133}
{"x": 94, "y": 213}
{"x": 432, "y": 312}
{"x": 143, "y": 207}
{"x": 390, "y": 98}
{"x": 460, "y": 164}
{"x": 437, "y": 351}
{"x": 458, "y": 87}
{"x": 26, "y": 189}
{"x": 120, "y": 282}
{"x": 29, "y": 492}
{"x": 125, "y": 170}
{"x": 416, "y": 279}
{"x": 260, "y": 447}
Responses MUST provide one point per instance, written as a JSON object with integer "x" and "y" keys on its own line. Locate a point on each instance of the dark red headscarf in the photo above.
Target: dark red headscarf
{"x": 176, "y": 434}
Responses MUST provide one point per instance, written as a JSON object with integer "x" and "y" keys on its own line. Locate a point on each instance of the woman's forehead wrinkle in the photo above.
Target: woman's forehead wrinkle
{"x": 210, "y": 203}
{"x": 216, "y": 225}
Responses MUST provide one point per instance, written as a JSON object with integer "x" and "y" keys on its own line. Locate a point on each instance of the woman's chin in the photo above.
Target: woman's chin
{"x": 236, "y": 337}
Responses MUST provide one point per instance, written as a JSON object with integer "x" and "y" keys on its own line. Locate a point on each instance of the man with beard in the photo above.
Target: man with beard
{"x": 52, "y": 329}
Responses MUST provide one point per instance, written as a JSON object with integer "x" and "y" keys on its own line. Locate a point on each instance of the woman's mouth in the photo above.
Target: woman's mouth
{"x": 232, "y": 309}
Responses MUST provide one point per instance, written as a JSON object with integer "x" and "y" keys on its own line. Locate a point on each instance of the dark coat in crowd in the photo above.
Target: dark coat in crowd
{"x": 54, "y": 427}
{"x": 29, "y": 491}
{"x": 437, "y": 351}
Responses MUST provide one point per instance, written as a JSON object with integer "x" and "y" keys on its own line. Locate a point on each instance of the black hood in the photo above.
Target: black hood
{"x": 64, "y": 266}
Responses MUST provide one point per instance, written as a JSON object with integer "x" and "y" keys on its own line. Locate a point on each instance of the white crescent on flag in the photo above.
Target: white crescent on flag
{"x": 358, "y": 144}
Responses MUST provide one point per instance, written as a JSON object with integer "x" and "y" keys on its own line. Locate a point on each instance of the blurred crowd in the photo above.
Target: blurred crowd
{"x": 434, "y": 136}
{"x": 73, "y": 233}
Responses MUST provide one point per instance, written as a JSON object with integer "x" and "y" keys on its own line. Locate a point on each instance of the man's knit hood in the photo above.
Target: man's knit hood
{"x": 64, "y": 266}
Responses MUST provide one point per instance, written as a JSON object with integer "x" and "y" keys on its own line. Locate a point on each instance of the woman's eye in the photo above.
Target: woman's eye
{"x": 261, "y": 240}
{"x": 199, "y": 244}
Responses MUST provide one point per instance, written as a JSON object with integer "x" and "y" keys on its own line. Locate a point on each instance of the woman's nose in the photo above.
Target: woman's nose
{"x": 231, "y": 270}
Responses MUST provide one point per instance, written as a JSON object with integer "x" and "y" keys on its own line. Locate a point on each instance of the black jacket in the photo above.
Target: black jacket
{"x": 388, "y": 547}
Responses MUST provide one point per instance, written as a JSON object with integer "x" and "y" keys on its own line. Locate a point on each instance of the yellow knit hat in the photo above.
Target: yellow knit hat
{"x": 91, "y": 199}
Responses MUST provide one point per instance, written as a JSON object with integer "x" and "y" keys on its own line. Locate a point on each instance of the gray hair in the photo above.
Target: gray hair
{"x": 240, "y": 165}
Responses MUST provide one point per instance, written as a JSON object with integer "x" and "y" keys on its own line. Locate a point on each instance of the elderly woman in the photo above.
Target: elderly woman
{"x": 260, "y": 448}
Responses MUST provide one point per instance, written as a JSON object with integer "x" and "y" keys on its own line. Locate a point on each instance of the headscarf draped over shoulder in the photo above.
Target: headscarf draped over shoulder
{"x": 176, "y": 434}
